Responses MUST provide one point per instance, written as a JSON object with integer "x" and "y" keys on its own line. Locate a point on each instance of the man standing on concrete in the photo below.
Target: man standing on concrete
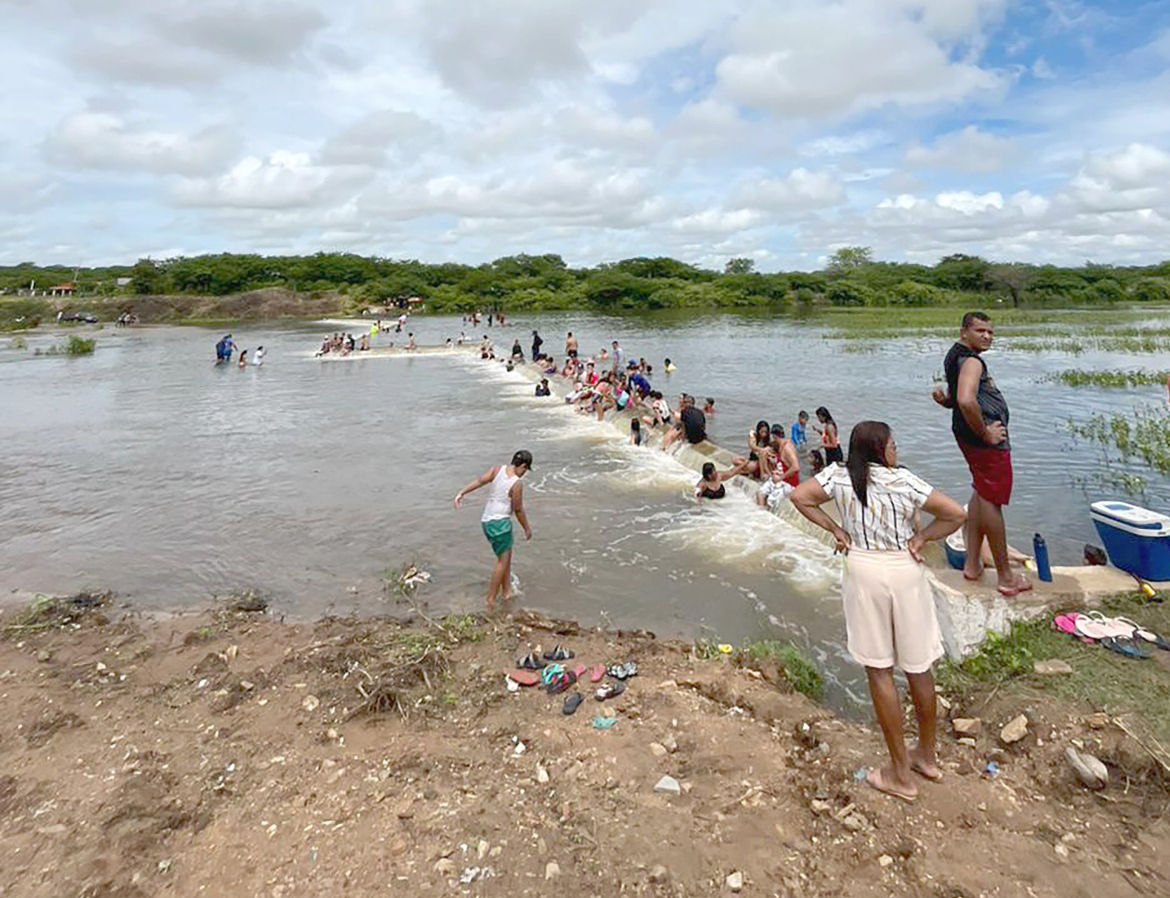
{"x": 979, "y": 421}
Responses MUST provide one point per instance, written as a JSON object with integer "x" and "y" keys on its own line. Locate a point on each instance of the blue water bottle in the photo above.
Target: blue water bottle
{"x": 1040, "y": 551}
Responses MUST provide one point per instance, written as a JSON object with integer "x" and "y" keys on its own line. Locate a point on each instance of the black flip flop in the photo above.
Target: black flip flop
{"x": 572, "y": 702}
{"x": 531, "y": 662}
{"x": 558, "y": 653}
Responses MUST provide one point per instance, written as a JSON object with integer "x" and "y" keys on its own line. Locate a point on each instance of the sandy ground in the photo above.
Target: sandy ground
{"x": 231, "y": 754}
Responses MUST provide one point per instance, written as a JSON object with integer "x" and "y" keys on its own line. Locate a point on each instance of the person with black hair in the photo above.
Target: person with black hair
{"x": 830, "y": 438}
{"x": 505, "y": 498}
{"x": 889, "y": 609}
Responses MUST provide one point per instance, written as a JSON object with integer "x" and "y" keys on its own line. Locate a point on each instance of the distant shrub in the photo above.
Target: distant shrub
{"x": 79, "y": 346}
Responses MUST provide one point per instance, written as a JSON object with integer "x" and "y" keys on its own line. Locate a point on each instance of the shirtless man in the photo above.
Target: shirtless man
{"x": 505, "y": 498}
{"x": 571, "y": 346}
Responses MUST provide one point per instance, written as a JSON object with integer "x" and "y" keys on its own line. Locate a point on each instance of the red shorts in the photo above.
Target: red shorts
{"x": 793, "y": 479}
{"x": 991, "y": 472}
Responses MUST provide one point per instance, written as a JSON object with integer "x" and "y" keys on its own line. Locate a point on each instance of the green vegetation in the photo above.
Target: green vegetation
{"x": 800, "y": 673}
{"x": 852, "y": 278}
{"x": 1143, "y": 435}
{"x": 1101, "y": 679}
{"x": 18, "y": 342}
{"x": 79, "y": 346}
{"x": 1076, "y": 377}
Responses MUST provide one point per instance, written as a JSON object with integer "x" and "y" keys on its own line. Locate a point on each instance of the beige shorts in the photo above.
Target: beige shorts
{"x": 889, "y": 611}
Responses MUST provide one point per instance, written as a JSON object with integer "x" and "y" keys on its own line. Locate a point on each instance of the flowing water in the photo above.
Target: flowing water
{"x": 147, "y": 469}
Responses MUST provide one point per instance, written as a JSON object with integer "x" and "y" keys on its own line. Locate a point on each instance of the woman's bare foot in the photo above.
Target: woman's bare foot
{"x": 886, "y": 781}
{"x": 925, "y": 768}
{"x": 1013, "y": 586}
{"x": 969, "y": 574}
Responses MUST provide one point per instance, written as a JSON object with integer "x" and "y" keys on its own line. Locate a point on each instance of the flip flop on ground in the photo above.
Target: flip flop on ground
{"x": 523, "y": 677}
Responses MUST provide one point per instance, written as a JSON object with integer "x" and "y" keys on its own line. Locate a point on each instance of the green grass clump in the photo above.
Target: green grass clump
{"x": 79, "y": 346}
{"x": 18, "y": 342}
{"x": 1101, "y": 679}
{"x": 1076, "y": 377}
{"x": 801, "y": 673}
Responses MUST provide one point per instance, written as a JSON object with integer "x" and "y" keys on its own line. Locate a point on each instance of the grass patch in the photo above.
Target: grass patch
{"x": 55, "y": 613}
{"x": 79, "y": 346}
{"x": 801, "y": 673}
{"x": 1077, "y": 377}
{"x": 1101, "y": 679}
{"x": 18, "y": 342}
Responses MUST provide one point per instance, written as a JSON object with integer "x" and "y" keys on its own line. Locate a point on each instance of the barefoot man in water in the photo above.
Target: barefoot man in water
{"x": 505, "y": 497}
{"x": 979, "y": 421}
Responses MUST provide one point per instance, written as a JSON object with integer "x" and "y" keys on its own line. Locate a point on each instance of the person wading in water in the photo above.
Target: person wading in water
{"x": 889, "y": 609}
{"x": 505, "y": 498}
{"x": 979, "y": 421}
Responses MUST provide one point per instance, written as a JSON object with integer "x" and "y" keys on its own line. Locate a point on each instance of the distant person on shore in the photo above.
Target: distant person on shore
{"x": 979, "y": 421}
{"x": 258, "y": 356}
{"x": 830, "y": 438}
{"x": 709, "y": 406}
{"x": 537, "y": 342}
{"x": 669, "y": 367}
{"x": 711, "y": 486}
{"x": 800, "y": 430}
{"x": 243, "y": 363}
{"x": 505, "y": 498}
{"x": 224, "y": 349}
{"x": 889, "y": 609}
{"x": 542, "y": 388}
{"x": 571, "y": 345}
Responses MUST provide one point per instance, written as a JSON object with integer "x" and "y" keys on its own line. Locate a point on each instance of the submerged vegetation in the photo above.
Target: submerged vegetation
{"x": 1076, "y": 377}
{"x": 1143, "y": 435}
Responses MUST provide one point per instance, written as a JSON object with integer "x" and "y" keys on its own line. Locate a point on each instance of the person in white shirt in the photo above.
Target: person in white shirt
{"x": 889, "y": 610}
{"x": 258, "y": 356}
{"x": 505, "y": 498}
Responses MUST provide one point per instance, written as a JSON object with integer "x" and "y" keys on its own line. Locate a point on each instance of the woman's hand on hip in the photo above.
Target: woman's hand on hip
{"x": 915, "y": 545}
{"x": 844, "y": 541}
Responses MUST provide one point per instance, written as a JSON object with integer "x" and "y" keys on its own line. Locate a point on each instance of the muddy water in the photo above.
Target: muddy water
{"x": 147, "y": 469}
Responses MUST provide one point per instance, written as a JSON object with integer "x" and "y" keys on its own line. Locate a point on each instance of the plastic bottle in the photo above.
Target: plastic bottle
{"x": 1040, "y": 550}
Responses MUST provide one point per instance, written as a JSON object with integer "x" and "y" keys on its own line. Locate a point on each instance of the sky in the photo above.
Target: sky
{"x": 465, "y": 130}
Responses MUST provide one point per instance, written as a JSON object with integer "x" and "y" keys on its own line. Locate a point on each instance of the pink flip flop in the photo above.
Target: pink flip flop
{"x": 523, "y": 677}
{"x": 1066, "y": 623}
{"x": 597, "y": 673}
{"x": 579, "y": 671}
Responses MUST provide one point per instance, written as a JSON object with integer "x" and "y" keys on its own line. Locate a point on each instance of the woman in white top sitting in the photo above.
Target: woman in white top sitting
{"x": 505, "y": 497}
{"x": 889, "y": 611}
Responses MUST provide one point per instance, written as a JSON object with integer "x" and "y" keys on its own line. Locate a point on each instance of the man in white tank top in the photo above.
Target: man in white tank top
{"x": 505, "y": 497}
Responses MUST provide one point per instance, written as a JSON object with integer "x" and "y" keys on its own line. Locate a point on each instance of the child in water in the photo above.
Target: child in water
{"x": 243, "y": 358}
{"x": 709, "y": 408}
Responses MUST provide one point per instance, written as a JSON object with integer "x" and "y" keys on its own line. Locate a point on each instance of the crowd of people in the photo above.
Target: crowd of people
{"x": 890, "y": 618}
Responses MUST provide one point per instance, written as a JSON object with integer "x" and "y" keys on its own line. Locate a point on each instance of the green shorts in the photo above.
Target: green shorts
{"x": 499, "y": 534}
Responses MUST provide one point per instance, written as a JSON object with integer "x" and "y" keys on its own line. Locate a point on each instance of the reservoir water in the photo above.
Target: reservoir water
{"x": 148, "y": 470}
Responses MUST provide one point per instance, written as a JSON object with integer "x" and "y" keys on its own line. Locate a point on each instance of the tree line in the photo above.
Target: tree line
{"x": 851, "y": 277}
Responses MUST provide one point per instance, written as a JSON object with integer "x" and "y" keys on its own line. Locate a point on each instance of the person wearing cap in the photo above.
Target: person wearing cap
{"x": 505, "y": 498}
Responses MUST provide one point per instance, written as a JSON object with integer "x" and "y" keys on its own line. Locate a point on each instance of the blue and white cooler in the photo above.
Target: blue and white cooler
{"x": 1137, "y": 539}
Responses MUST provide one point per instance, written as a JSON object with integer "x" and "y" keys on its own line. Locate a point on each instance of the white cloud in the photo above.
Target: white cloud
{"x": 799, "y": 192}
{"x": 967, "y": 150}
{"x": 282, "y": 180}
{"x": 819, "y": 61}
{"x": 101, "y": 140}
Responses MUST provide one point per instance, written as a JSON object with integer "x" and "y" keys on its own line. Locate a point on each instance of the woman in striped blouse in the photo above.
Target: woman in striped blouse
{"x": 889, "y": 611}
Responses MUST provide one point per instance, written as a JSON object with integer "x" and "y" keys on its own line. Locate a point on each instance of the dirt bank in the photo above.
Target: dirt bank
{"x": 230, "y": 754}
{"x": 269, "y": 303}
